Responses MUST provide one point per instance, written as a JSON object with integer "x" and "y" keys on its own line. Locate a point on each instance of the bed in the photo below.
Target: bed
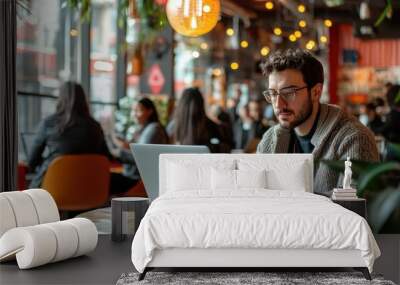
{"x": 245, "y": 211}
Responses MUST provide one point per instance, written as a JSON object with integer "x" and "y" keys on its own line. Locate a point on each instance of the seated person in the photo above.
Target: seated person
{"x": 249, "y": 128}
{"x": 257, "y": 114}
{"x": 243, "y": 128}
{"x": 375, "y": 122}
{"x": 295, "y": 80}
{"x": 191, "y": 126}
{"x": 150, "y": 131}
{"x": 70, "y": 130}
{"x": 391, "y": 128}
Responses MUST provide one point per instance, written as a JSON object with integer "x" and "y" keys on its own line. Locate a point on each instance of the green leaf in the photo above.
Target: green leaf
{"x": 384, "y": 14}
{"x": 374, "y": 171}
{"x": 394, "y": 148}
{"x": 397, "y": 99}
{"x": 382, "y": 207}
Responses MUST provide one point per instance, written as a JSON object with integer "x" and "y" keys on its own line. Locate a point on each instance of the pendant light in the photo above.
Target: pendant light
{"x": 193, "y": 17}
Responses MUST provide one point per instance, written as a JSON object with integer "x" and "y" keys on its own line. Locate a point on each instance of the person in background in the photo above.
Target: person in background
{"x": 191, "y": 126}
{"x": 295, "y": 81}
{"x": 243, "y": 128}
{"x": 233, "y": 105}
{"x": 375, "y": 122}
{"x": 249, "y": 128}
{"x": 70, "y": 130}
{"x": 391, "y": 129}
{"x": 223, "y": 120}
{"x": 256, "y": 112}
{"x": 380, "y": 107}
{"x": 150, "y": 131}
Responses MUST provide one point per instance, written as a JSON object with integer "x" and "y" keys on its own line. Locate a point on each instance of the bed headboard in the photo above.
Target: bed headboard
{"x": 279, "y": 162}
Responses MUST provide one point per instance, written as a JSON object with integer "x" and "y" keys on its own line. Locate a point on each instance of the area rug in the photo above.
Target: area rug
{"x": 269, "y": 278}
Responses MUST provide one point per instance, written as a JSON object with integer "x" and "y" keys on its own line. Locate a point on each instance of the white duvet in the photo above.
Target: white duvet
{"x": 256, "y": 218}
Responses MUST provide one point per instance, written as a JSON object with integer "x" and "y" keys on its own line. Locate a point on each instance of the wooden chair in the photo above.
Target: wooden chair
{"x": 78, "y": 182}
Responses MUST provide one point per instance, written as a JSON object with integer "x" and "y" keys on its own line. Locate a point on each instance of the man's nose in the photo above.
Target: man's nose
{"x": 280, "y": 102}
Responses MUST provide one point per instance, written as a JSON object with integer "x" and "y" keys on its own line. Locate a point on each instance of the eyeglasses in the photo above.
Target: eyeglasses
{"x": 287, "y": 94}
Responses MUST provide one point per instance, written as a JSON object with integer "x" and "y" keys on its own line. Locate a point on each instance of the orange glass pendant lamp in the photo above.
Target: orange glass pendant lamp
{"x": 193, "y": 17}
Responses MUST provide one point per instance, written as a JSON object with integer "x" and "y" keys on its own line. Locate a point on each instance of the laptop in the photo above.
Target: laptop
{"x": 147, "y": 157}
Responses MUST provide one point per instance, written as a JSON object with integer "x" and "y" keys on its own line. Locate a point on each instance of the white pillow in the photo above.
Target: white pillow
{"x": 186, "y": 176}
{"x": 227, "y": 179}
{"x": 251, "y": 179}
{"x": 281, "y": 174}
{"x": 223, "y": 179}
{"x": 183, "y": 178}
{"x": 296, "y": 181}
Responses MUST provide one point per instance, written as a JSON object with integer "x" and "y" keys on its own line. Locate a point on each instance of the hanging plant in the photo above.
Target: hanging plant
{"x": 149, "y": 15}
{"x": 386, "y": 13}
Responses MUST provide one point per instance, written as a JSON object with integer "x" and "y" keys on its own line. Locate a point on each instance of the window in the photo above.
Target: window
{"x": 47, "y": 54}
{"x": 51, "y": 43}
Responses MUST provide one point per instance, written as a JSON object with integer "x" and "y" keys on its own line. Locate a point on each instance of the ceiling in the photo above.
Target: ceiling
{"x": 347, "y": 12}
{"x": 253, "y": 13}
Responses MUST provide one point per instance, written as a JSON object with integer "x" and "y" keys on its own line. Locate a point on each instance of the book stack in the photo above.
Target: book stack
{"x": 344, "y": 194}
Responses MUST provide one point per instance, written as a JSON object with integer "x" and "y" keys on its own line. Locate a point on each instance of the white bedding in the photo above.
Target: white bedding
{"x": 251, "y": 218}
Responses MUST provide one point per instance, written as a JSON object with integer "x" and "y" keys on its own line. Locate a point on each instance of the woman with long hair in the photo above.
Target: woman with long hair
{"x": 192, "y": 126}
{"x": 150, "y": 131}
{"x": 70, "y": 130}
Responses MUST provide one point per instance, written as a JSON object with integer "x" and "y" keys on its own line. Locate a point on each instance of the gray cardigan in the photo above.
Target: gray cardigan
{"x": 338, "y": 135}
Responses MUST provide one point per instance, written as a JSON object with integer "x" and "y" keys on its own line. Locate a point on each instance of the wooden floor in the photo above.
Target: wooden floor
{"x": 103, "y": 266}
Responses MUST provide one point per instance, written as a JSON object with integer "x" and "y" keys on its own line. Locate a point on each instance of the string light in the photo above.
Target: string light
{"x": 310, "y": 45}
{"x": 302, "y": 23}
{"x": 234, "y": 65}
{"x": 195, "y": 54}
{"x": 264, "y": 51}
{"x": 328, "y": 23}
{"x": 217, "y": 72}
{"x": 230, "y": 32}
{"x": 301, "y": 8}
{"x": 269, "y": 5}
{"x": 244, "y": 44}
{"x": 297, "y": 34}
{"x": 277, "y": 31}
{"x": 204, "y": 46}
{"x": 323, "y": 39}
{"x": 292, "y": 38}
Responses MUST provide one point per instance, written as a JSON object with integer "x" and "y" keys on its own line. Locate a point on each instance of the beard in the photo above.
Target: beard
{"x": 304, "y": 113}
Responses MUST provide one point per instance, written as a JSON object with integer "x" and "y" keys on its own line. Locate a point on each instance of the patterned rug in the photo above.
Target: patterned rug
{"x": 269, "y": 278}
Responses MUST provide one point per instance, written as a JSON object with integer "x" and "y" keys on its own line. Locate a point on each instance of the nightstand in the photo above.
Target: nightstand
{"x": 119, "y": 210}
{"x": 358, "y": 206}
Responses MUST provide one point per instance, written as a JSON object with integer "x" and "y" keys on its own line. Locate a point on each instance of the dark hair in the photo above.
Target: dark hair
{"x": 301, "y": 60}
{"x": 378, "y": 102}
{"x": 371, "y": 106}
{"x": 149, "y": 105}
{"x": 191, "y": 118}
{"x": 392, "y": 96}
{"x": 71, "y": 104}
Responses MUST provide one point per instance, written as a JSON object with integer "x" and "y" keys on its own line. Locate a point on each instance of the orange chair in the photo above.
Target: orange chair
{"x": 136, "y": 191}
{"x": 78, "y": 182}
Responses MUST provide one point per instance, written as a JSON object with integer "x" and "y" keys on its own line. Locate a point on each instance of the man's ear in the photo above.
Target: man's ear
{"x": 316, "y": 92}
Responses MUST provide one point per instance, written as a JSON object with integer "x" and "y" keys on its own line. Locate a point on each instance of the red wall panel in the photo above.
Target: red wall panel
{"x": 376, "y": 53}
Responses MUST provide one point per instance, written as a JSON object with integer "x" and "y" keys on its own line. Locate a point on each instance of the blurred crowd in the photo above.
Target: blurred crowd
{"x": 382, "y": 116}
{"x": 238, "y": 127}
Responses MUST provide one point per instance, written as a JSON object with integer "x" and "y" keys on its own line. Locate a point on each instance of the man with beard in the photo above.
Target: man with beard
{"x": 295, "y": 80}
